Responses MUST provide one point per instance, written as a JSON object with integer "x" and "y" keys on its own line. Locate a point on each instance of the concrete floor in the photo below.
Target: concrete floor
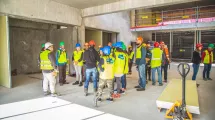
{"x": 133, "y": 105}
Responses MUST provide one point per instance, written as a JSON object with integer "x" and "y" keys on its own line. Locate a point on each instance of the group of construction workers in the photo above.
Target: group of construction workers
{"x": 108, "y": 65}
{"x": 205, "y": 57}
{"x": 151, "y": 57}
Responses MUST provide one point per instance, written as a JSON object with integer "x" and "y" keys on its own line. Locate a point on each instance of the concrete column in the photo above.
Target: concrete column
{"x": 81, "y": 33}
{"x": 195, "y": 39}
{"x": 171, "y": 42}
{"x": 200, "y": 36}
{"x": 132, "y": 18}
{"x": 113, "y": 37}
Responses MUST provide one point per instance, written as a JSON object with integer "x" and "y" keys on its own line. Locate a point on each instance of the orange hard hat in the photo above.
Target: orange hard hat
{"x": 92, "y": 43}
{"x": 156, "y": 44}
{"x": 140, "y": 39}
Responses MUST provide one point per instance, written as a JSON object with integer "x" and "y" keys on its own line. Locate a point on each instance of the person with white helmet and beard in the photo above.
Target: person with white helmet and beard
{"x": 49, "y": 69}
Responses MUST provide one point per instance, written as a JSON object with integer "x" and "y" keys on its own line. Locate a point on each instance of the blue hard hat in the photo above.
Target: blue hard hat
{"x": 78, "y": 45}
{"x": 106, "y": 50}
{"x": 119, "y": 44}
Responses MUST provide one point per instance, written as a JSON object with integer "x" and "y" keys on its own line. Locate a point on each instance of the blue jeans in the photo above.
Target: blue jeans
{"x": 195, "y": 70}
{"x": 142, "y": 76}
{"x": 158, "y": 69}
{"x": 123, "y": 80}
{"x": 92, "y": 71}
{"x": 207, "y": 69}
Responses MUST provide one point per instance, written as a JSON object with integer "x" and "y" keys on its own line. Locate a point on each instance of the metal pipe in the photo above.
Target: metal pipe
{"x": 183, "y": 85}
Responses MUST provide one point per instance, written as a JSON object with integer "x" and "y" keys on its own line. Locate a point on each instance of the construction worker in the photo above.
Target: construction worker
{"x": 131, "y": 58}
{"x": 86, "y": 47}
{"x": 119, "y": 66}
{"x": 62, "y": 59}
{"x": 156, "y": 61}
{"x": 91, "y": 57}
{"x": 207, "y": 59}
{"x": 148, "y": 62}
{"x": 141, "y": 62}
{"x": 77, "y": 58}
{"x": 196, "y": 60}
{"x": 123, "y": 78}
{"x": 49, "y": 69}
{"x": 106, "y": 67}
{"x": 165, "y": 61}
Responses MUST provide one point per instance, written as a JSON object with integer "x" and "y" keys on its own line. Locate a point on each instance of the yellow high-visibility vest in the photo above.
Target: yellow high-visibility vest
{"x": 77, "y": 56}
{"x": 156, "y": 60}
{"x": 62, "y": 56}
{"x": 119, "y": 65}
{"x": 207, "y": 57}
{"x": 45, "y": 63}
{"x": 108, "y": 66}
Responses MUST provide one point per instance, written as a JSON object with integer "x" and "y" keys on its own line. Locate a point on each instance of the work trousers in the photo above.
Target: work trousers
{"x": 148, "y": 72}
{"x": 158, "y": 69}
{"x": 164, "y": 68}
{"x": 195, "y": 70}
{"x": 124, "y": 81}
{"x": 78, "y": 71}
{"x": 62, "y": 73}
{"x": 130, "y": 66}
{"x": 94, "y": 73}
{"x": 49, "y": 81}
{"x": 118, "y": 84}
{"x": 206, "y": 71}
{"x": 104, "y": 82}
{"x": 142, "y": 77}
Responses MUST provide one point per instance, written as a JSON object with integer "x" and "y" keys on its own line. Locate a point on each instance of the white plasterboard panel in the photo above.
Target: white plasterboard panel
{"x": 168, "y": 105}
{"x": 67, "y": 112}
{"x": 107, "y": 117}
{"x": 12, "y": 109}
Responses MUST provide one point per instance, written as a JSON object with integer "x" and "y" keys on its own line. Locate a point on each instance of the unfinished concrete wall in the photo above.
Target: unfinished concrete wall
{"x": 115, "y": 22}
{"x": 65, "y": 35}
{"x": 26, "y": 38}
{"x": 95, "y": 35}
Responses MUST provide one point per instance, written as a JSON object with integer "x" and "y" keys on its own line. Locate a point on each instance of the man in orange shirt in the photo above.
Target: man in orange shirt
{"x": 166, "y": 60}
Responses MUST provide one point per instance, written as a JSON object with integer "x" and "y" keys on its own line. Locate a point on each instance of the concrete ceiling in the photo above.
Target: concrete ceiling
{"x": 81, "y": 4}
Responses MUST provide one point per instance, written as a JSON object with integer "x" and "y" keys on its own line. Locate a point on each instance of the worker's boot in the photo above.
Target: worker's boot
{"x": 95, "y": 91}
{"x": 85, "y": 91}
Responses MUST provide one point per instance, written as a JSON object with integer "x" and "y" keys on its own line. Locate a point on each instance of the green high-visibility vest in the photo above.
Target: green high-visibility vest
{"x": 156, "y": 60}
{"x": 45, "y": 63}
{"x": 207, "y": 57}
{"x": 62, "y": 56}
{"x": 77, "y": 56}
{"x": 108, "y": 66}
{"x": 120, "y": 63}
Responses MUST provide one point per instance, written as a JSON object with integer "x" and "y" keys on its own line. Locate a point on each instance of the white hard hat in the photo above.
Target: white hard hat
{"x": 47, "y": 45}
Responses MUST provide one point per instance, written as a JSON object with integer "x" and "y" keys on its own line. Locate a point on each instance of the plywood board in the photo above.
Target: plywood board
{"x": 67, "y": 112}
{"x": 173, "y": 92}
{"x": 23, "y": 107}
